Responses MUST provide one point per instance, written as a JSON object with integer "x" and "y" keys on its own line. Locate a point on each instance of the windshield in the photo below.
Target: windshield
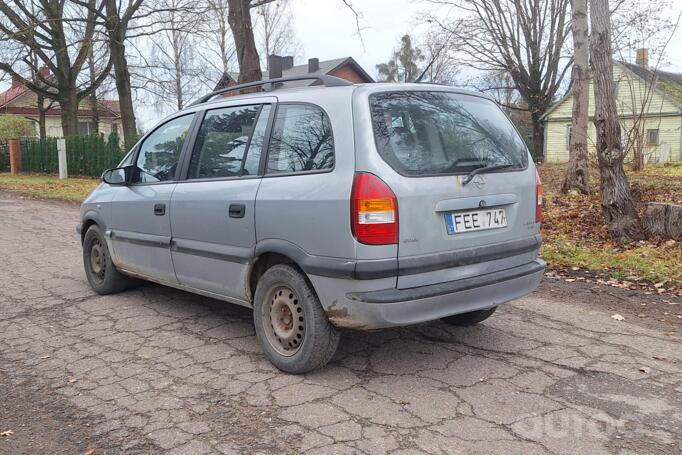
{"x": 426, "y": 133}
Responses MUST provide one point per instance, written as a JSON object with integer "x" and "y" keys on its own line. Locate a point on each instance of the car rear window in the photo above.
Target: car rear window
{"x": 429, "y": 133}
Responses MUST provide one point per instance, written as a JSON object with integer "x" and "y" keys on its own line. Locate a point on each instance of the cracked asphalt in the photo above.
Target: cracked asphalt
{"x": 156, "y": 370}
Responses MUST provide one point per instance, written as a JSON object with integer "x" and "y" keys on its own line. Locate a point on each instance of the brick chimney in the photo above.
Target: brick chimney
{"x": 16, "y": 82}
{"x": 274, "y": 66}
{"x": 313, "y": 64}
{"x": 287, "y": 62}
{"x": 642, "y": 57}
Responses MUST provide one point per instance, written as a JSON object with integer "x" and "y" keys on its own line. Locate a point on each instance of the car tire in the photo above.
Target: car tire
{"x": 469, "y": 319}
{"x": 291, "y": 325}
{"x": 99, "y": 268}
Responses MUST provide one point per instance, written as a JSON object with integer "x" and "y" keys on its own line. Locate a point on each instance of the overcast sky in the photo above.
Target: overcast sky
{"x": 326, "y": 29}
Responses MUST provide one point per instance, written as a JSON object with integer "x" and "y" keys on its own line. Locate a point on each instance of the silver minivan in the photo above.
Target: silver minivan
{"x": 327, "y": 207}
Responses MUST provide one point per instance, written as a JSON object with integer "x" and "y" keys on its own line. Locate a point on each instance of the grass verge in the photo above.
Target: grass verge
{"x": 575, "y": 235}
{"x": 48, "y": 186}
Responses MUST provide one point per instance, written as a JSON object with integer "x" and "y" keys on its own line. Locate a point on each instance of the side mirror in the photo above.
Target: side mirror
{"x": 117, "y": 175}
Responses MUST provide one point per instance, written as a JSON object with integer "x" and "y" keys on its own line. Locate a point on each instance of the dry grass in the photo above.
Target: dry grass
{"x": 48, "y": 186}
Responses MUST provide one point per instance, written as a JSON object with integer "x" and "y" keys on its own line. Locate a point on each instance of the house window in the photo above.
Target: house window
{"x": 86, "y": 128}
{"x": 569, "y": 131}
{"x": 652, "y": 137}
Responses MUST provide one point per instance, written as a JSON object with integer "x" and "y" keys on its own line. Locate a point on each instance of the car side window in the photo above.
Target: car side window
{"x": 221, "y": 145}
{"x": 256, "y": 146}
{"x": 301, "y": 140}
{"x": 160, "y": 151}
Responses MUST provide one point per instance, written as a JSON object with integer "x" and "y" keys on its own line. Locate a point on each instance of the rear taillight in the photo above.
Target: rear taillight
{"x": 538, "y": 198}
{"x": 373, "y": 211}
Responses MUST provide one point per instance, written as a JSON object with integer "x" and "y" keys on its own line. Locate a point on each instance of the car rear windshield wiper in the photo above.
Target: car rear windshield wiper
{"x": 469, "y": 177}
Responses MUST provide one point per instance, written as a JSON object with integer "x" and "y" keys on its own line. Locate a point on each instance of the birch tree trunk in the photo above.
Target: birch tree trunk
{"x": 577, "y": 175}
{"x": 619, "y": 211}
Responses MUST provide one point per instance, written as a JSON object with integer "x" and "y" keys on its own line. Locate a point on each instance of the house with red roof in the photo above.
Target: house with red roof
{"x": 345, "y": 68}
{"x": 19, "y": 100}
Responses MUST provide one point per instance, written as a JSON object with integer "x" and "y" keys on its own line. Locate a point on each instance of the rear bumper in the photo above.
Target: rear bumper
{"x": 397, "y": 307}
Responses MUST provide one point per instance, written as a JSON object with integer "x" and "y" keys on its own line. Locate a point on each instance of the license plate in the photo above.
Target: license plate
{"x": 476, "y": 220}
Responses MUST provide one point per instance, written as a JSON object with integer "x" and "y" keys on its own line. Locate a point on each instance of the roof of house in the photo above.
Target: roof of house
{"x": 108, "y": 108}
{"x": 325, "y": 67}
{"x": 668, "y": 84}
{"x": 11, "y": 94}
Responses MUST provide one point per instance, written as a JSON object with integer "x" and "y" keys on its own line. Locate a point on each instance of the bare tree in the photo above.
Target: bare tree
{"x": 239, "y": 18}
{"x": 60, "y": 35}
{"x": 275, "y": 32}
{"x": 577, "y": 176}
{"x": 217, "y": 31}
{"x": 117, "y": 20}
{"x": 651, "y": 36}
{"x": 42, "y": 105}
{"x": 175, "y": 74}
{"x": 525, "y": 39}
{"x": 94, "y": 102}
{"x": 617, "y": 206}
{"x": 442, "y": 66}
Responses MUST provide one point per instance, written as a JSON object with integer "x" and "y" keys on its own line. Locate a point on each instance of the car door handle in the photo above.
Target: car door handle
{"x": 159, "y": 209}
{"x": 237, "y": 210}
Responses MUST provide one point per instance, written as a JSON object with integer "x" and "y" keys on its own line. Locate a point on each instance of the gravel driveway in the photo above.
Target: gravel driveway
{"x": 158, "y": 370}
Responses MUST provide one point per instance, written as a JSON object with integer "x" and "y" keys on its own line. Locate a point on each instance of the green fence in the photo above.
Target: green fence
{"x": 85, "y": 155}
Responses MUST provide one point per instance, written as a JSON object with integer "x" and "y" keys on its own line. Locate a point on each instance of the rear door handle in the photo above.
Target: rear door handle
{"x": 159, "y": 209}
{"x": 237, "y": 210}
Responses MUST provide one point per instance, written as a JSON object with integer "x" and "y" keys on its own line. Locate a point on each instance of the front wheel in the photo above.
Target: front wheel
{"x": 99, "y": 268}
{"x": 469, "y": 319}
{"x": 291, "y": 325}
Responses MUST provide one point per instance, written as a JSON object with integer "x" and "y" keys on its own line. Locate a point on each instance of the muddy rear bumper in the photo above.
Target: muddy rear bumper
{"x": 396, "y": 307}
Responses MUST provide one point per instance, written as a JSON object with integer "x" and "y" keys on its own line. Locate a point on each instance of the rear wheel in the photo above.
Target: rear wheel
{"x": 469, "y": 319}
{"x": 291, "y": 325}
{"x": 99, "y": 268}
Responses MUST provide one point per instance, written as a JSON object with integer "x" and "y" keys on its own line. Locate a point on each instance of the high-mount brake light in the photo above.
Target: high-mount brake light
{"x": 374, "y": 211}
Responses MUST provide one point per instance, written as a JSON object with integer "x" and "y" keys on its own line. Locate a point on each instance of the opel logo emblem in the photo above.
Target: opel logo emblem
{"x": 478, "y": 181}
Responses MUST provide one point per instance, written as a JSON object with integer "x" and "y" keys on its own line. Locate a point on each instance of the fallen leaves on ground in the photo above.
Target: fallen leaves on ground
{"x": 617, "y": 317}
{"x": 6, "y": 433}
{"x": 576, "y": 240}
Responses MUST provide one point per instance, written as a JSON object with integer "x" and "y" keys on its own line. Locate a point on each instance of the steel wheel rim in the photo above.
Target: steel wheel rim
{"x": 98, "y": 262}
{"x": 283, "y": 320}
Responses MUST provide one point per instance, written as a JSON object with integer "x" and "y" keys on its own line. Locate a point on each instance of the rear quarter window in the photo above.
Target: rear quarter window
{"x": 301, "y": 140}
{"x": 429, "y": 133}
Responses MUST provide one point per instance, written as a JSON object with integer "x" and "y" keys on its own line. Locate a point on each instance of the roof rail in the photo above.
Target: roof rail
{"x": 328, "y": 81}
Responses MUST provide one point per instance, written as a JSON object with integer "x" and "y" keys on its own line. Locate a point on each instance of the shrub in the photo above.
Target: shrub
{"x": 14, "y": 127}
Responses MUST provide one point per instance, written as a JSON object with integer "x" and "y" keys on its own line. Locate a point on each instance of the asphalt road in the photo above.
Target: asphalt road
{"x": 157, "y": 370}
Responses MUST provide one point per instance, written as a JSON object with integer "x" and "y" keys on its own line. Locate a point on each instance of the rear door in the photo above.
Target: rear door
{"x": 450, "y": 228}
{"x": 140, "y": 228}
{"x": 213, "y": 209}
